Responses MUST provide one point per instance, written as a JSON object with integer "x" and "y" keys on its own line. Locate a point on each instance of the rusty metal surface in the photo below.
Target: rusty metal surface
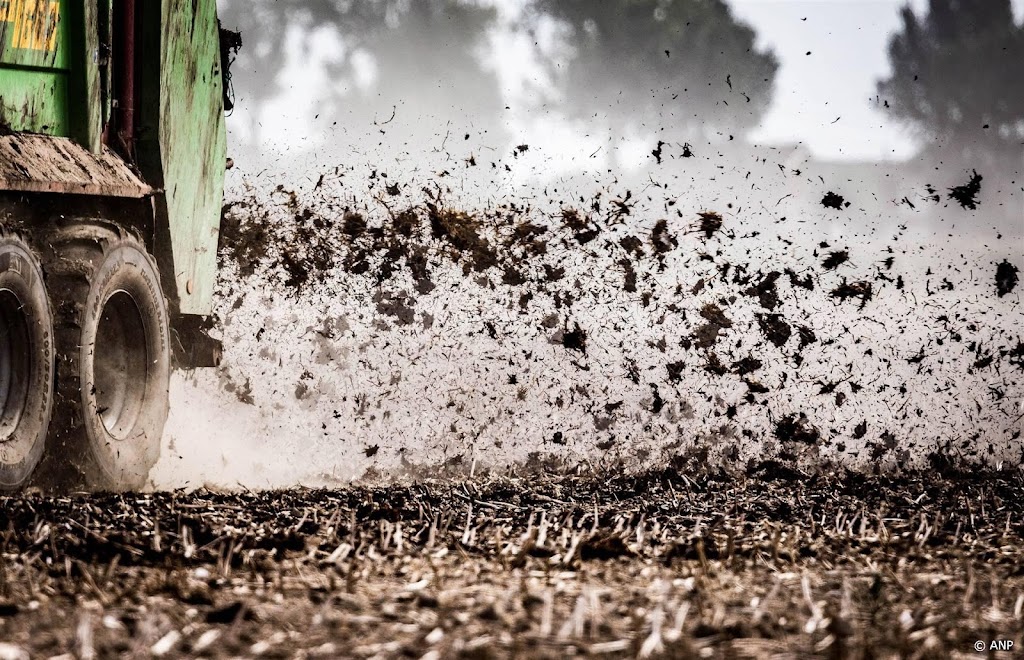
{"x": 125, "y": 63}
{"x": 40, "y": 163}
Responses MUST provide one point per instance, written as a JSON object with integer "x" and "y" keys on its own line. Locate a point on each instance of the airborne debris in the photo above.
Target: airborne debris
{"x": 966, "y": 195}
{"x": 710, "y": 222}
{"x": 462, "y": 231}
{"x": 775, "y": 328}
{"x": 657, "y": 151}
{"x": 660, "y": 238}
{"x": 797, "y": 428}
{"x": 835, "y": 259}
{"x": 706, "y": 335}
{"x": 575, "y": 339}
{"x": 765, "y": 291}
{"x": 833, "y": 201}
{"x": 862, "y": 290}
{"x": 1006, "y": 277}
{"x": 428, "y": 268}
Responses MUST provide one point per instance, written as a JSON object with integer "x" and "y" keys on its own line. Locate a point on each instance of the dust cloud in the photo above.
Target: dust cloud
{"x": 409, "y": 337}
{"x": 457, "y": 239}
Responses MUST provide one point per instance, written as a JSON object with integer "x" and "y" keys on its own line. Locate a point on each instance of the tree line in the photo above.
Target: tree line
{"x": 688, "y": 65}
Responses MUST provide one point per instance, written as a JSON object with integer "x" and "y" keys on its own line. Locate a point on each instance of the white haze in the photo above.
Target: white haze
{"x": 339, "y": 390}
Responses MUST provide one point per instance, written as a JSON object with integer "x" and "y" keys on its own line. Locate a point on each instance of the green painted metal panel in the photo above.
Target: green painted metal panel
{"x": 35, "y": 65}
{"x": 184, "y": 153}
{"x": 34, "y": 101}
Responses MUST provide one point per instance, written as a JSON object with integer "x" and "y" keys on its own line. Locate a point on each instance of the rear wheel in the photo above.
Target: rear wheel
{"x": 113, "y": 361}
{"x": 26, "y": 361}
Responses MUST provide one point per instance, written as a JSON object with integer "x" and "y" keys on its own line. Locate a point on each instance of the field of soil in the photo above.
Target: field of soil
{"x": 771, "y": 563}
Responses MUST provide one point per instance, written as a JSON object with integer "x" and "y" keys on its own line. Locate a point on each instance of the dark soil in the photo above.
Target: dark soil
{"x": 663, "y": 564}
{"x": 967, "y": 194}
{"x": 833, "y": 201}
{"x": 1006, "y": 277}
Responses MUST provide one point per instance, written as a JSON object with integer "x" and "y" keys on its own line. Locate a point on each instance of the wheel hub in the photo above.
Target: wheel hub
{"x": 120, "y": 364}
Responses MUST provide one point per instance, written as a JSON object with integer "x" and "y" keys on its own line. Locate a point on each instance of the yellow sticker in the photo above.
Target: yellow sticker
{"x": 35, "y": 23}
{"x": 9, "y": 10}
{"x": 52, "y": 22}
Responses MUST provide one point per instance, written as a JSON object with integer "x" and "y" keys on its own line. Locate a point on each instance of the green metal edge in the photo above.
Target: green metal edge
{"x": 183, "y": 151}
{"x": 84, "y": 87}
{"x": 34, "y": 100}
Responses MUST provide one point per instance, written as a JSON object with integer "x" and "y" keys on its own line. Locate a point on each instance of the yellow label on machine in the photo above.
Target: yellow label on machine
{"x": 35, "y": 23}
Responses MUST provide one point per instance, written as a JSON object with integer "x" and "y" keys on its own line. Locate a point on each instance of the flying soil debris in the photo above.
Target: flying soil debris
{"x": 579, "y": 299}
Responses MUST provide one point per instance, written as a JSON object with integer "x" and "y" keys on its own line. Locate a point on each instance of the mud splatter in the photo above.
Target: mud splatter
{"x": 832, "y": 200}
{"x": 967, "y": 194}
{"x": 862, "y": 290}
{"x": 710, "y": 222}
{"x": 797, "y": 428}
{"x": 399, "y": 305}
{"x": 706, "y": 335}
{"x": 835, "y": 259}
{"x": 661, "y": 240}
{"x": 775, "y": 328}
{"x": 490, "y": 305}
{"x": 765, "y": 291}
{"x": 1006, "y": 278}
{"x": 575, "y": 339}
{"x": 657, "y": 151}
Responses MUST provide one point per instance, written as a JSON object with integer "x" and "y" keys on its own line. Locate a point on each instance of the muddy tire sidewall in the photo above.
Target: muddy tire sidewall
{"x": 21, "y": 447}
{"x": 124, "y": 462}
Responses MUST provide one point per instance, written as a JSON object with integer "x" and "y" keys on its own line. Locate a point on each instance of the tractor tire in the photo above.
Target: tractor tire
{"x": 26, "y": 361}
{"x": 113, "y": 359}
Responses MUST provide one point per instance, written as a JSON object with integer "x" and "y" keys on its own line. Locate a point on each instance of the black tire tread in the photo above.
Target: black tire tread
{"x": 75, "y": 251}
{"x": 8, "y": 234}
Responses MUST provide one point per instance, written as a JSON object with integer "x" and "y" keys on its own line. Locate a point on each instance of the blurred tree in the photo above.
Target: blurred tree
{"x": 958, "y": 78}
{"x": 417, "y": 62}
{"x": 684, "y": 65}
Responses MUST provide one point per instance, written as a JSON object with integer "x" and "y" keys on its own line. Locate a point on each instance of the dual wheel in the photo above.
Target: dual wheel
{"x": 84, "y": 360}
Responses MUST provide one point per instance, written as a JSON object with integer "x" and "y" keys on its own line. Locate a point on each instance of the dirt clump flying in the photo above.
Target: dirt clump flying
{"x": 775, "y": 328}
{"x": 862, "y": 290}
{"x": 248, "y": 239}
{"x": 765, "y": 291}
{"x": 463, "y": 232}
{"x": 581, "y": 226}
{"x": 661, "y": 240}
{"x": 835, "y": 201}
{"x": 575, "y": 339}
{"x": 353, "y": 225}
{"x": 835, "y": 259}
{"x": 797, "y": 428}
{"x": 966, "y": 195}
{"x": 398, "y": 305}
{"x": 707, "y": 334}
{"x": 710, "y": 222}
{"x": 1006, "y": 278}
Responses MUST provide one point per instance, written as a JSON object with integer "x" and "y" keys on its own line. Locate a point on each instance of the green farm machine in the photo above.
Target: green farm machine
{"x": 112, "y": 159}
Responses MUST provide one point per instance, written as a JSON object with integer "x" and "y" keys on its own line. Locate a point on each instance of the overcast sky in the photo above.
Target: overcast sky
{"x": 848, "y": 43}
{"x": 824, "y": 100}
